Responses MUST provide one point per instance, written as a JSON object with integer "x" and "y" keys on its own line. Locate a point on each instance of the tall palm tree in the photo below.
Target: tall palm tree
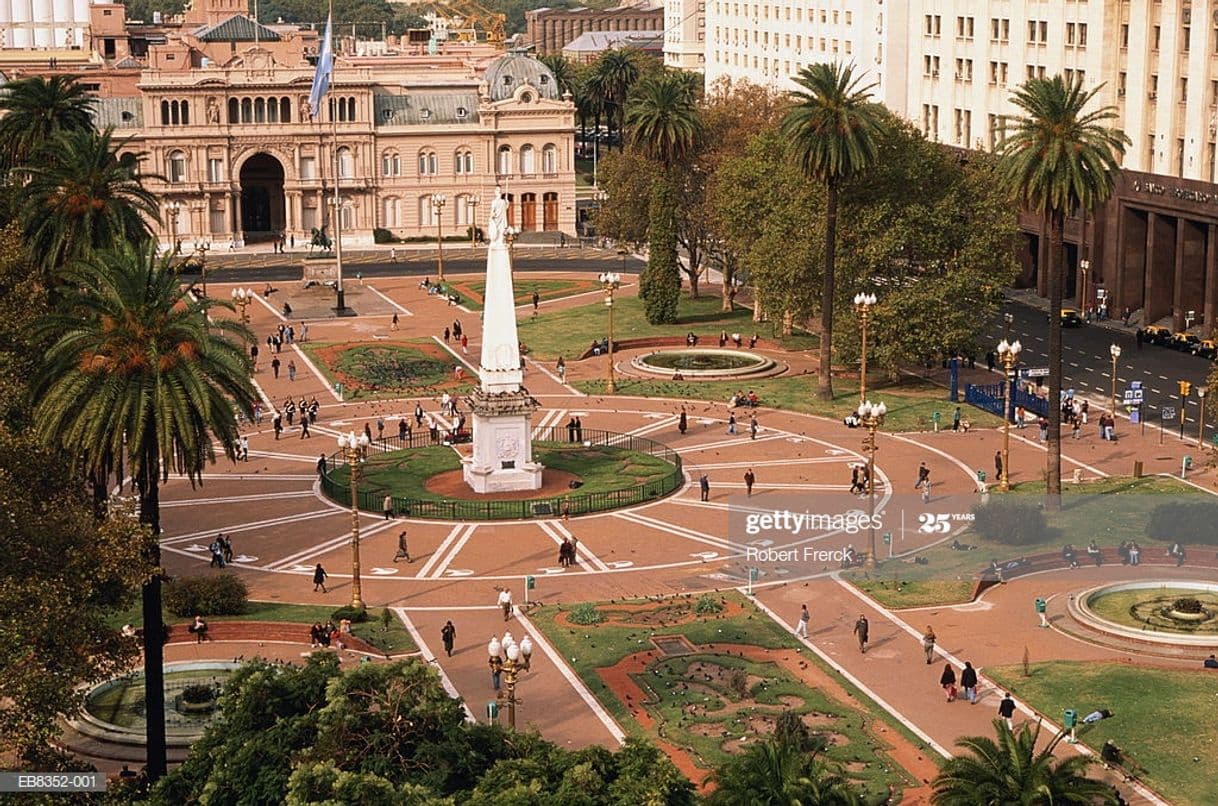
{"x": 832, "y": 128}
{"x": 664, "y": 124}
{"x": 563, "y": 70}
{"x": 1012, "y": 770}
{"x": 617, "y": 72}
{"x": 34, "y": 110}
{"x": 779, "y": 773}
{"x": 1055, "y": 159}
{"x": 138, "y": 380}
{"x": 86, "y": 199}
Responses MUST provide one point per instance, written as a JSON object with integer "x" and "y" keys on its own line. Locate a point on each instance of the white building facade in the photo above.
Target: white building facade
{"x": 685, "y": 34}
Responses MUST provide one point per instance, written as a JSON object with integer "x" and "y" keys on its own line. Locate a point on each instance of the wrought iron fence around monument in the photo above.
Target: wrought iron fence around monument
{"x": 577, "y": 503}
{"x": 991, "y": 397}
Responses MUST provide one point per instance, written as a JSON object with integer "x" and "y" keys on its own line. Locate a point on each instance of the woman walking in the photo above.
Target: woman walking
{"x": 319, "y": 579}
{"x": 948, "y": 681}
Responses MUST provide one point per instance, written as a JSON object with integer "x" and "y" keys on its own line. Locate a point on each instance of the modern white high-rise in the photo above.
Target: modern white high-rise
{"x": 685, "y": 34}
{"x": 43, "y": 24}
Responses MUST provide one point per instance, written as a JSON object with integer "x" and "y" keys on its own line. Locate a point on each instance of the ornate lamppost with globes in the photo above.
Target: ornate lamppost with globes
{"x": 242, "y": 297}
{"x": 1008, "y": 354}
{"x": 438, "y": 200}
{"x": 174, "y": 209}
{"x": 871, "y": 417}
{"x": 862, "y": 307}
{"x": 201, "y": 248}
{"x": 510, "y": 659}
{"x": 610, "y": 281}
{"x": 472, "y": 204}
{"x": 1115, "y": 352}
{"x": 354, "y": 448}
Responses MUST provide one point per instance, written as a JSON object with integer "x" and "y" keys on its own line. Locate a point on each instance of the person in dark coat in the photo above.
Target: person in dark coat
{"x": 448, "y": 635}
{"x": 948, "y": 681}
{"x": 319, "y": 579}
{"x": 861, "y": 630}
{"x": 968, "y": 682}
{"x": 683, "y": 422}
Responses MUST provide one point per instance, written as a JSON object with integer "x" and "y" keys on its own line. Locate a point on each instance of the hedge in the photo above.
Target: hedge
{"x": 220, "y": 595}
{"x": 1011, "y": 521}
{"x": 1193, "y": 522}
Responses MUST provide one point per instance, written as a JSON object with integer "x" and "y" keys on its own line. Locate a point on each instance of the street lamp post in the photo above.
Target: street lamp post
{"x": 438, "y": 201}
{"x": 1115, "y": 352}
{"x": 871, "y": 417}
{"x": 1008, "y": 354}
{"x": 202, "y": 248}
{"x": 610, "y": 281}
{"x": 1008, "y": 319}
{"x": 1202, "y": 391}
{"x": 510, "y": 659}
{"x": 354, "y": 448}
{"x": 175, "y": 209}
{"x": 862, "y": 306}
{"x": 473, "y": 221}
{"x": 242, "y": 297}
{"x": 1084, "y": 266}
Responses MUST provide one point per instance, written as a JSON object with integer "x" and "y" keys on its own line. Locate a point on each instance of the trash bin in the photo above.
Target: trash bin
{"x": 1070, "y": 717}
{"x": 981, "y": 476}
{"x": 1041, "y": 605}
{"x": 492, "y": 711}
{"x": 1137, "y": 469}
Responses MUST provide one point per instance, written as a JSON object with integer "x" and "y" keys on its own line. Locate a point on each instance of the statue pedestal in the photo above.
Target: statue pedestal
{"x": 502, "y": 460}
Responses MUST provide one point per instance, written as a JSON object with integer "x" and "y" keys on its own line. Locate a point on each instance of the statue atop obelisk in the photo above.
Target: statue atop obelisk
{"x": 502, "y": 458}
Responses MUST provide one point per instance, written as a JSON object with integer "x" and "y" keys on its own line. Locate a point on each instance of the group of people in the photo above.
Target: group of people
{"x": 221, "y": 549}
{"x": 736, "y": 339}
{"x": 1130, "y": 552}
{"x": 566, "y": 551}
{"x": 307, "y": 410}
{"x": 328, "y": 635}
{"x": 860, "y": 476}
{"x": 575, "y": 429}
{"x": 741, "y": 399}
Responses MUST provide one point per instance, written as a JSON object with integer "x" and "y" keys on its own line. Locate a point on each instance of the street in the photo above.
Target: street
{"x": 1087, "y": 364}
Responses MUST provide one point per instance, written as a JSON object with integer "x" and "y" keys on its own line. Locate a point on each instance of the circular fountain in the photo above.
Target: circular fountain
{"x": 1182, "y": 614}
{"x": 706, "y": 364}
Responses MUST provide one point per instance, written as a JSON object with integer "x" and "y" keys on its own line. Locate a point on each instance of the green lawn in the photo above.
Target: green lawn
{"x": 403, "y": 474}
{"x": 395, "y": 641}
{"x": 1167, "y": 721}
{"x": 398, "y": 369}
{"x": 588, "y": 648}
{"x": 472, "y": 293}
{"x": 1109, "y": 510}
{"x": 569, "y": 332}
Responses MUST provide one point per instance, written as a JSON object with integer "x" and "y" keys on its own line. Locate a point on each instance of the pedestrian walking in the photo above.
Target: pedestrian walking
{"x": 464, "y": 344}
{"x": 536, "y": 301}
{"x": 579, "y": 429}
{"x": 856, "y": 480}
{"x": 496, "y": 668}
{"x": 1076, "y": 427}
{"x": 403, "y": 550}
{"x": 731, "y": 422}
{"x": 447, "y": 335}
{"x": 321, "y": 465}
{"x": 448, "y": 635}
{"x": 505, "y": 603}
{"x": 418, "y": 415}
{"x": 275, "y": 367}
{"x": 753, "y": 426}
{"x": 1044, "y": 429}
{"x": 304, "y": 331}
{"x": 319, "y": 579}
{"x": 387, "y": 507}
{"x": 304, "y": 428}
{"x": 801, "y": 627}
{"x": 861, "y": 631}
{"x": 749, "y": 478}
{"x": 948, "y": 681}
{"x": 923, "y": 476}
{"x": 561, "y": 367}
{"x": 682, "y": 422}
{"x": 998, "y": 464}
{"x": 245, "y": 449}
{"x": 1006, "y": 710}
{"x": 291, "y": 370}
{"x": 956, "y": 420}
{"x": 928, "y": 644}
{"x": 393, "y": 325}
{"x": 704, "y": 486}
{"x": 968, "y": 682}
{"x": 277, "y": 424}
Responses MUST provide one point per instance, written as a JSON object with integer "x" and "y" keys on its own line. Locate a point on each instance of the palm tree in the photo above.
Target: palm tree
{"x": 137, "y": 376}
{"x": 34, "y": 110}
{"x": 664, "y": 125}
{"x": 833, "y": 128}
{"x": 1058, "y": 158}
{"x": 87, "y": 198}
{"x": 779, "y": 773}
{"x": 563, "y": 70}
{"x": 1012, "y": 770}
{"x": 617, "y": 71}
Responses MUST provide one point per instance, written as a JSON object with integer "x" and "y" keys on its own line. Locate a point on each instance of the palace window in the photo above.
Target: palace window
{"x": 391, "y": 164}
{"x": 463, "y": 161}
{"x": 177, "y": 167}
{"x": 346, "y": 163}
{"x": 429, "y": 163}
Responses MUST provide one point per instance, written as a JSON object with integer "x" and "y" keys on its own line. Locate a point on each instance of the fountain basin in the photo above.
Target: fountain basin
{"x": 1145, "y": 611}
{"x": 705, "y": 363}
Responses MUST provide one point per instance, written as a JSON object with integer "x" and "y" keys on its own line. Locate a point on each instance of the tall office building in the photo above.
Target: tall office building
{"x": 685, "y": 34}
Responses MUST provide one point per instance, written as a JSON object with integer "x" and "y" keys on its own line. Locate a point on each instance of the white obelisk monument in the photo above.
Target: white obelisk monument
{"x": 502, "y": 460}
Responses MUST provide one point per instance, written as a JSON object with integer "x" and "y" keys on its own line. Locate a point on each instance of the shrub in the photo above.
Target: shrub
{"x": 386, "y": 619}
{"x": 355, "y": 616}
{"x": 1184, "y": 522}
{"x": 1187, "y": 605}
{"x": 586, "y": 613}
{"x": 380, "y": 235}
{"x": 198, "y": 693}
{"x": 738, "y": 682}
{"x": 708, "y": 605}
{"x": 1011, "y": 521}
{"x": 220, "y": 595}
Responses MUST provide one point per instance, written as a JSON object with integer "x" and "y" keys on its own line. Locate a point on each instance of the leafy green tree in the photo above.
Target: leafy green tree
{"x": 34, "y": 111}
{"x": 779, "y": 772}
{"x": 1013, "y": 770}
{"x": 832, "y": 130}
{"x": 665, "y": 127}
{"x": 565, "y": 74}
{"x": 86, "y": 199}
{"x": 23, "y": 300}
{"x": 615, "y": 74}
{"x": 1058, "y": 158}
{"x": 63, "y": 573}
{"x": 139, "y": 381}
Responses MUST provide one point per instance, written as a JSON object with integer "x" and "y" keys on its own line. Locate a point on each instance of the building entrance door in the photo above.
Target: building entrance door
{"x": 262, "y": 204}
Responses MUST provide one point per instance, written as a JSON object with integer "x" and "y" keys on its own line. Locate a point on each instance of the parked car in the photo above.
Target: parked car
{"x": 1185, "y": 342}
{"x": 1156, "y": 335}
{"x": 1206, "y": 348}
{"x": 1071, "y": 318}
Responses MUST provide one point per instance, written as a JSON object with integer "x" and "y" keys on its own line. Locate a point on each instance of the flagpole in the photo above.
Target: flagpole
{"x": 340, "y": 305}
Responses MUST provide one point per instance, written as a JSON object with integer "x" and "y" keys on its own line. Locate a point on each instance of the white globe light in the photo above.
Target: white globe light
{"x": 362, "y": 440}
{"x": 526, "y": 645}
{"x": 1016, "y": 348}
{"x": 880, "y": 410}
{"x": 1003, "y": 347}
{"x": 513, "y": 653}
{"x": 493, "y": 648}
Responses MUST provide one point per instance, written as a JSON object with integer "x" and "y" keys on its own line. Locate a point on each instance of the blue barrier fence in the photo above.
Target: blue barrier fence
{"x": 991, "y": 397}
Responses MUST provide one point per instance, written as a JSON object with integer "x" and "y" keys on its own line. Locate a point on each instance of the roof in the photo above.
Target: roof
{"x": 121, "y": 113}
{"x": 237, "y": 28}
{"x": 596, "y": 41}
{"x": 505, "y": 74}
{"x": 420, "y": 109}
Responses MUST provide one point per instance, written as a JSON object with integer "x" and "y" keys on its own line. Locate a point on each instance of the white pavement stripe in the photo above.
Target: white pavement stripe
{"x": 820, "y": 460}
{"x": 679, "y": 531}
{"x": 233, "y": 499}
{"x": 317, "y": 372}
{"x": 430, "y": 657}
{"x": 262, "y": 394}
{"x": 245, "y": 527}
{"x": 544, "y": 371}
{"x": 473, "y": 370}
{"x": 330, "y": 545}
{"x": 728, "y": 443}
{"x": 549, "y": 420}
{"x": 859, "y": 684}
{"x": 541, "y": 643}
{"x": 643, "y": 430}
{"x": 399, "y": 308}
{"x": 441, "y": 549}
{"x": 261, "y": 476}
{"x": 586, "y": 559}
{"x": 285, "y": 457}
{"x": 270, "y": 307}
{"x": 456, "y": 549}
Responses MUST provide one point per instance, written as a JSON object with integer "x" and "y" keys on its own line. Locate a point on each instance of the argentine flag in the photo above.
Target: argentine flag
{"x": 321, "y": 78}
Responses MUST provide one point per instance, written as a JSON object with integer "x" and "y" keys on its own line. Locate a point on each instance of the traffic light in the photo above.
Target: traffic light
{"x": 1185, "y": 387}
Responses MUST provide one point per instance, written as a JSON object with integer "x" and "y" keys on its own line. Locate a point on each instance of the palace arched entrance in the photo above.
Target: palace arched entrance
{"x": 262, "y": 205}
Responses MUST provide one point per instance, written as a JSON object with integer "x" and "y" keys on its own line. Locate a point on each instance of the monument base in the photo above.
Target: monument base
{"x": 502, "y": 459}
